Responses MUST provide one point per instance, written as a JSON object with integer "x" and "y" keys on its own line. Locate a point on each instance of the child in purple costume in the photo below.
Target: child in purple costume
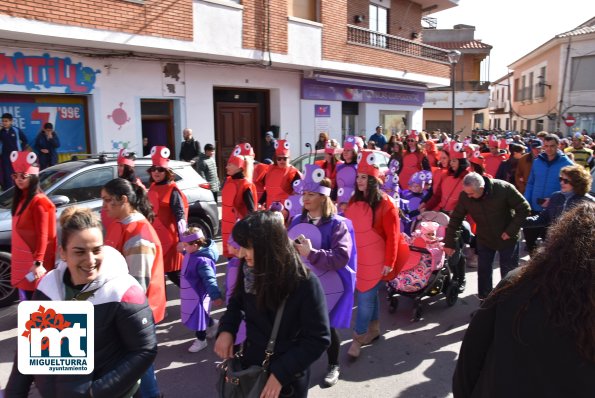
{"x": 198, "y": 286}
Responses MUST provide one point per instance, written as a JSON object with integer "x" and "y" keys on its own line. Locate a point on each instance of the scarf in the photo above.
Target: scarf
{"x": 248, "y": 278}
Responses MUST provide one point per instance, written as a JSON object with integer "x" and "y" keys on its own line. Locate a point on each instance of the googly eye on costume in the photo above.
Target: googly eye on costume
{"x": 359, "y": 157}
{"x": 395, "y": 179}
{"x": 297, "y": 183}
{"x": 153, "y": 151}
{"x": 276, "y": 145}
{"x": 393, "y": 170}
{"x": 31, "y": 157}
{"x": 370, "y": 159}
{"x": 422, "y": 176}
{"x": 329, "y": 145}
{"x": 287, "y": 204}
{"x": 302, "y": 201}
{"x": 165, "y": 153}
{"x": 318, "y": 175}
{"x": 476, "y": 154}
{"x": 350, "y": 139}
{"x": 237, "y": 151}
{"x": 247, "y": 147}
{"x": 458, "y": 146}
{"x": 286, "y": 145}
{"x": 14, "y": 155}
{"x": 340, "y": 192}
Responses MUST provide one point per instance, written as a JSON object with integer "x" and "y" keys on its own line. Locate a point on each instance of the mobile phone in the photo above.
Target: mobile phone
{"x": 30, "y": 276}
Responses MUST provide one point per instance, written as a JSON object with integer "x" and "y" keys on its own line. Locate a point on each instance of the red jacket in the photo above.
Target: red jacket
{"x": 279, "y": 183}
{"x": 33, "y": 239}
{"x": 446, "y": 193}
{"x": 233, "y": 207}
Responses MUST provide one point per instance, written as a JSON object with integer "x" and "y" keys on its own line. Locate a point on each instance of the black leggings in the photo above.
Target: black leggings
{"x": 333, "y": 349}
{"x": 174, "y": 277}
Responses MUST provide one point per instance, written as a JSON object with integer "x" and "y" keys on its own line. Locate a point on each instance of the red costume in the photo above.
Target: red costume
{"x": 279, "y": 180}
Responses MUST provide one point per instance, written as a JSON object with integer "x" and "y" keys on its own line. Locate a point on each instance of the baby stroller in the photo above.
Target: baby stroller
{"x": 411, "y": 282}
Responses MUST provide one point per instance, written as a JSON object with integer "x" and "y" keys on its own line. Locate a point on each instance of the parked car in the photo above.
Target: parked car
{"x": 79, "y": 182}
{"x": 309, "y": 158}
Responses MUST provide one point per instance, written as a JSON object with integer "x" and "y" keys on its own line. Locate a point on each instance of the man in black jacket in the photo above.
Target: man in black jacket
{"x": 190, "y": 147}
{"x": 499, "y": 211}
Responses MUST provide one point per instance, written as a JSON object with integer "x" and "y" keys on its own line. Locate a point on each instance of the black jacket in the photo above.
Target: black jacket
{"x": 558, "y": 204}
{"x": 189, "y": 150}
{"x": 303, "y": 335}
{"x": 125, "y": 340}
{"x": 502, "y": 358}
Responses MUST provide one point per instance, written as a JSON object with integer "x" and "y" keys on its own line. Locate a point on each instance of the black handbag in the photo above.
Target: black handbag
{"x": 236, "y": 382}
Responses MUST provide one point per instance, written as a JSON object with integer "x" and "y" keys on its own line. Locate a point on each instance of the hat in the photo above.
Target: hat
{"x": 238, "y": 154}
{"x": 24, "y": 162}
{"x": 414, "y": 135}
{"x": 430, "y": 146}
{"x": 421, "y": 178}
{"x": 160, "y": 156}
{"x": 353, "y": 143}
{"x": 429, "y": 226}
{"x": 282, "y": 148}
{"x": 366, "y": 162}
{"x": 332, "y": 147}
{"x": 270, "y": 134}
{"x": 477, "y": 158}
{"x": 456, "y": 150}
{"x": 535, "y": 143}
{"x": 493, "y": 141}
{"x": 313, "y": 175}
{"x": 192, "y": 237}
{"x": 578, "y": 136}
{"x": 125, "y": 158}
{"x": 503, "y": 143}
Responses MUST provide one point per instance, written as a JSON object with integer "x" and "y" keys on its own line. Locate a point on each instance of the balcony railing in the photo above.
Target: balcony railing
{"x": 467, "y": 85}
{"x": 366, "y": 37}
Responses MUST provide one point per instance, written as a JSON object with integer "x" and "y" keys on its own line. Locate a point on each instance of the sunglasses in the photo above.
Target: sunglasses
{"x": 282, "y": 159}
{"x": 411, "y": 140}
{"x": 564, "y": 180}
{"x": 159, "y": 169}
{"x": 20, "y": 176}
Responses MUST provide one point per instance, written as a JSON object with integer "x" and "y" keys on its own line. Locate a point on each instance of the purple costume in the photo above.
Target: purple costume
{"x": 346, "y": 174}
{"x": 333, "y": 259}
{"x": 198, "y": 286}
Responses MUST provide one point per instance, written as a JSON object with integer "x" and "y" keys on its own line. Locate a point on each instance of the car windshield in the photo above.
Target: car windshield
{"x": 47, "y": 178}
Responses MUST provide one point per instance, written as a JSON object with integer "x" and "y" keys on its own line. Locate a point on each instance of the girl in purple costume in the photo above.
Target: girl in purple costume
{"x": 413, "y": 197}
{"x": 326, "y": 246}
{"x": 347, "y": 171}
{"x": 198, "y": 286}
{"x": 231, "y": 278}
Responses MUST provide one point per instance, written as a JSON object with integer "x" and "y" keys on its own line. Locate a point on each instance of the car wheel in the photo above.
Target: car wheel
{"x": 8, "y": 294}
{"x": 202, "y": 224}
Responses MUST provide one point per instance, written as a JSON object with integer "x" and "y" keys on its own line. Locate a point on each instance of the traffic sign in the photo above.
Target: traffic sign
{"x": 569, "y": 121}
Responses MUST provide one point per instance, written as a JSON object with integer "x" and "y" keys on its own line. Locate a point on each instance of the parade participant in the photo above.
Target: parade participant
{"x": 280, "y": 176}
{"x": 198, "y": 286}
{"x": 11, "y": 139}
{"x": 478, "y": 164}
{"x": 498, "y": 210}
{"x": 231, "y": 278}
{"x": 46, "y": 145}
{"x": 33, "y": 248}
{"x": 238, "y": 197}
{"x": 330, "y": 163}
{"x": 575, "y": 183}
{"x": 132, "y": 234}
{"x": 326, "y": 246}
{"x": 533, "y": 336}
{"x": 376, "y": 223}
{"x": 543, "y": 182}
{"x": 126, "y": 171}
{"x": 414, "y": 159}
{"x": 125, "y": 340}
{"x": 582, "y": 155}
{"x": 391, "y": 182}
{"x": 495, "y": 157}
{"x": 412, "y": 198}
{"x": 347, "y": 171}
{"x": 272, "y": 274}
{"x": 171, "y": 211}
{"x": 431, "y": 153}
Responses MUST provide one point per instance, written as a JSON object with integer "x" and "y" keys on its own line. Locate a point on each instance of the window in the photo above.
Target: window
{"x": 582, "y": 73}
{"x": 530, "y": 87}
{"x": 540, "y": 86}
{"x": 305, "y": 9}
{"x": 378, "y": 23}
{"x": 87, "y": 185}
{"x": 518, "y": 93}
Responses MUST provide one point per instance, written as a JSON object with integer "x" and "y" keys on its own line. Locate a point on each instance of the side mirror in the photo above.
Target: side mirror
{"x": 59, "y": 200}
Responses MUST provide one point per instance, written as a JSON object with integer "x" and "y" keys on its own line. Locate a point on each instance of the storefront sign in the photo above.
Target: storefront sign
{"x": 322, "y": 115}
{"x": 38, "y": 72}
{"x": 315, "y": 90}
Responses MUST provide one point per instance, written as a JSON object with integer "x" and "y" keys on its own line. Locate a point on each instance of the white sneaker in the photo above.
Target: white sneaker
{"x": 197, "y": 345}
{"x": 212, "y": 330}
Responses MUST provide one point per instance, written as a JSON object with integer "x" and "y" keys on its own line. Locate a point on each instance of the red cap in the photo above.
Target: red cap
{"x": 160, "y": 156}
{"x": 366, "y": 160}
{"x": 123, "y": 159}
{"x": 477, "y": 158}
{"x": 244, "y": 149}
{"x": 24, "y": 162}
{"x": 493, "y": 141}
{"x": 456, "y": 150}
{"x": 503, "y": 143}
{"x": 414, "y": 134}
{"x": 282, "y": 148}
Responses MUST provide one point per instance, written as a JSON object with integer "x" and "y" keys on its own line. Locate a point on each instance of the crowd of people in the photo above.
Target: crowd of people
{"x": 311, "y": 244}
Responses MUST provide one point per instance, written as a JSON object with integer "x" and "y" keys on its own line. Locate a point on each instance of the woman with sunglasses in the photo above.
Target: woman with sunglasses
{"x": 575, "y": 183}
{"x": 414, "y": 159}
{"x": 171, "y": 211}
{"x": 33, "y": 225}
{"x": 278, "y": 181}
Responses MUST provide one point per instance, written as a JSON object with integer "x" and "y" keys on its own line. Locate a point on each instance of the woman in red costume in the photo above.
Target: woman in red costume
{"x": 238, "y": 197}
{"x": 375, "y": 220}
{"x": 33, "y": 226}
{"x": 171, "y": 211}
{"x": 414, "y": 159}
{"x": 431, "y": 153}
{"x": 279, "y": 179}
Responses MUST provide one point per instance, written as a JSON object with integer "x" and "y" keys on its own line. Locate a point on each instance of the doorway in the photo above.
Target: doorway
{"x": 158, "y": 124}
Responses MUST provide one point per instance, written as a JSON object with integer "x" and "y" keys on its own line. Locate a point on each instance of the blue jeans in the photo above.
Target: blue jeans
{"x": 509, "y": 260}
{"x": 148, "y": 384}
{"x": 367, "y": 308}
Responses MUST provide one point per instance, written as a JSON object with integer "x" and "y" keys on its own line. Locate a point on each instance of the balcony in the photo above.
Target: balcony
{"x": 399, "y": 45}
{"x": 468, "y": 85}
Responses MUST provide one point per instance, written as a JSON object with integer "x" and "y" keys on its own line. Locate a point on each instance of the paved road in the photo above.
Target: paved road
{"x": 410, "y": 360}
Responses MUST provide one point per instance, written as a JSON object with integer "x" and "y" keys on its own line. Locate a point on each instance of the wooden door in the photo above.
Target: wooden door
{"x": 234, "y": 122}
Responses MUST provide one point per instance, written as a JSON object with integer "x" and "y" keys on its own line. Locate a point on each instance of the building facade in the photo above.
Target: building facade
{"x": 109, "y": 73}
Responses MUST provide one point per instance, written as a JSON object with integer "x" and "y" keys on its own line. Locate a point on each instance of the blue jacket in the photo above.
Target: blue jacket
{"x": 42, "y": 142}
{"x": 544, "y": 178}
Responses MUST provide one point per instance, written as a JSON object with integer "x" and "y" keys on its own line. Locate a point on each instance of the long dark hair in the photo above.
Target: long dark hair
{"x": 561, "y": 276}
{"x": 278, "y": 268}
{"x": 463, "y": 166}
{"x": 33, "y": 190}
{"x": 136, "y": 195}
{"x": 374, "y": 196}
{"x": 128, "y": 173}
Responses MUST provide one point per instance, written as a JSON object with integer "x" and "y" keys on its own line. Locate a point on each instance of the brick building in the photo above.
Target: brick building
{"x": 108, "y": 73}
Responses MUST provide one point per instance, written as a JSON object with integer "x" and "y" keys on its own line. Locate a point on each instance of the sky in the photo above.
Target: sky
{"x": 515, "y": 27}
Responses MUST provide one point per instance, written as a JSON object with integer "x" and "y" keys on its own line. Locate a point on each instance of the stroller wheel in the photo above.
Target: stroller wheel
{"x": 394, "y": 304}
{"x": 452, "y": 294}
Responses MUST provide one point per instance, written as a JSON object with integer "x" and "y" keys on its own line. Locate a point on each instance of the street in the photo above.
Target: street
{"x": 411, "y": 359}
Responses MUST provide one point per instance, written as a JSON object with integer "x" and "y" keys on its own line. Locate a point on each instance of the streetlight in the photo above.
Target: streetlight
{"x": 453, "y": 58}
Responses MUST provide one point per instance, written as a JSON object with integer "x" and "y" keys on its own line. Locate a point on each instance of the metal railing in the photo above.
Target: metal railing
{"x": 467, "y": 85}
{"x": 370, "y": 38}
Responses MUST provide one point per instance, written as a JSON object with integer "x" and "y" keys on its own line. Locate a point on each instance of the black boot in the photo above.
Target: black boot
{"x": 460, "y": 273}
